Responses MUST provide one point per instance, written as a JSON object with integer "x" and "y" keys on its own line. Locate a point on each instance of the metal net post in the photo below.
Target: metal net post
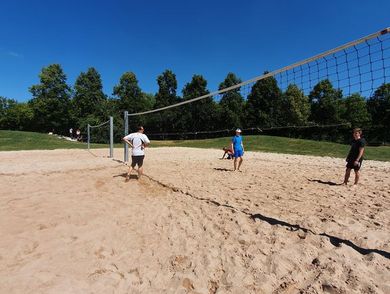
{"x": 126, "y": 151}
{"x": 111, "y": 137}
{"x": 88, "y": 137}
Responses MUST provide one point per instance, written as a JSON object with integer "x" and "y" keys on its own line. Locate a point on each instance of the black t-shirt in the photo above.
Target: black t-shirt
{"x": 354, "y": 151}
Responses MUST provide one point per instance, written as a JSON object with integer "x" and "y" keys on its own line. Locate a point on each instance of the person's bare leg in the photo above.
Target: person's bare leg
{"x": 357, "y": 176}
{"x": 240, "y": 162}
{"x": 346, "y": 177}
{"x": 140, "y": 172}
{"x": 129, "y": 173}
{"x": 235, "y": 163}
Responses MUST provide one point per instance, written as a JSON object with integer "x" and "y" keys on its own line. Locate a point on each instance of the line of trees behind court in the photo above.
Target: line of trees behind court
{"x": 57, "y": 106}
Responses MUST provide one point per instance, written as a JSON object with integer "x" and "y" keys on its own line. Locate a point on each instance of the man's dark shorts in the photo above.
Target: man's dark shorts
{"x": 137, "y": 160}
{"x": 351, "y": 165}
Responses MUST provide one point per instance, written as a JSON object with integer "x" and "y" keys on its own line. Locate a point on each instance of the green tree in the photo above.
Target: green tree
{"x": 19, "y": 117}
{"x": 5, "y": 104}
{"x": 327, "y": 105}
{"x": 131, "y": 98}
{"x": 14, "y": 115}
{"x": 199, "y": 115}
{"x": 167, "y": 87}
{"x": 264, "y": 104}
{"x": 166, "y": 121}
{"x": 231, "y": 103}
{"x": 379, "y": 106}
{"x": 89, "y": 98}
{"x": 51, "y": 101}
{"x": 129, "y": 94}
{"x": 356, "y": 111}
{"x": 296, "y": 106}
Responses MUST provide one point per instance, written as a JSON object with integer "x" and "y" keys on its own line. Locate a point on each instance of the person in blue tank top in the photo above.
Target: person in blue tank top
{"x": 238, "y": 149}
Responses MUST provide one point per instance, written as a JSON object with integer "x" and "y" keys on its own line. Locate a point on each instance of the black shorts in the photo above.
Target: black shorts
{"x": 137, "y": 160}
{"x": 351, "y": 165}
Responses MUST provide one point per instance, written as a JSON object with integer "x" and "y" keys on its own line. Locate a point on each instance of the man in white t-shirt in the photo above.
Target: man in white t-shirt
{"x": 137, "y": 141}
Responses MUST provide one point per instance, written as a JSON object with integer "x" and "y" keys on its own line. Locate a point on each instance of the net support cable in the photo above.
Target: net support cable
{"x": 110, "y": 122}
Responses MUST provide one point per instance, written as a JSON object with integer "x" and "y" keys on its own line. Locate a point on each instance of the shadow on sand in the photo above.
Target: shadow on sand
{"x": 132, "y": 177}
{"x": 329, "y": 183}
{"x": 335, "y": 241}
{"x": 222, "y": 169}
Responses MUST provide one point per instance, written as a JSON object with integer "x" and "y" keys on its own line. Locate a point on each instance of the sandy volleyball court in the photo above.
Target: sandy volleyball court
{"x": 70, "y": 224}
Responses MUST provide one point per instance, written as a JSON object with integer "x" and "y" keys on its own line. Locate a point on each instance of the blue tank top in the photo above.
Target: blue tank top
{"x": 237, "y": 140}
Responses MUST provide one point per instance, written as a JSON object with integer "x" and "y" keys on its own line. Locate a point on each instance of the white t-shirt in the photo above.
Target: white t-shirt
{"x": 138, "y": 140}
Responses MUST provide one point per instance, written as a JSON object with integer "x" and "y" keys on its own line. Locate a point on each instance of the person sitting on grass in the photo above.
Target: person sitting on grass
{"x": 355, "y": 156}
{"x": 229, "y": 153}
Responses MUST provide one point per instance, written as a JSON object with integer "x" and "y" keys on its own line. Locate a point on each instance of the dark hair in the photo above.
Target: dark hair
{"x": 140, "y": 128}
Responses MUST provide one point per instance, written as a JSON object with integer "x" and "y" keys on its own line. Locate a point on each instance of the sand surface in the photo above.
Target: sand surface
{"x": 70, "y": 224}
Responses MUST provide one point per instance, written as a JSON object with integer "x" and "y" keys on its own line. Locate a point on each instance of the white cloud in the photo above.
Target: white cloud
{"x": 9, "y": 53}
{"x": 14, "y": 54}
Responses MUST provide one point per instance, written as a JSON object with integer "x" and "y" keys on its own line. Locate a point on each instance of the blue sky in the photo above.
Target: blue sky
{"x": 189, "y": 37}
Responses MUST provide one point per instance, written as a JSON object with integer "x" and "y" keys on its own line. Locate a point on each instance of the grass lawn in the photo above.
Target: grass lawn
{"x": 15, "y": 140}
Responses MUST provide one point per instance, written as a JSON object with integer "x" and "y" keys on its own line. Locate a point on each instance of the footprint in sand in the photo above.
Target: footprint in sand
{"x": 42, "y": 227}
{"x": 188, "y": 284}
{"x": 135, "y": 277}
{"x": 99, "y": 253}
{"x": 213, "y": 287}
{"x": 30, "y": 248}
{"x": 180, "y": 263}
{"x": 99, "y": 184}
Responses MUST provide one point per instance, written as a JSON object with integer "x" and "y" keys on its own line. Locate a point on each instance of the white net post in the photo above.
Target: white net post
{"x": 126, "y": 150}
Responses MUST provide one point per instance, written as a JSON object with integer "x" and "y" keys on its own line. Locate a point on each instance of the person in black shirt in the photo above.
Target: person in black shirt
{"x": 355, "y": 156}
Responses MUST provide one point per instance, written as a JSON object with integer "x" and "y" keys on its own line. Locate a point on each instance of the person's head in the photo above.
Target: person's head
{"x": 140, "y": 129}
{"x": 238, "y": 132}
{"x": 357, "y": 132}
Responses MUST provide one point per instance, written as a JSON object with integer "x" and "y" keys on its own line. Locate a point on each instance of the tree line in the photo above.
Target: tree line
{"x": 56, "y": 106}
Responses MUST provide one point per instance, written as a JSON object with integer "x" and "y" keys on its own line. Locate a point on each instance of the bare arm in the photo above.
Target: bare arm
{"x": 146, "y": 142}
{"x": 127, "y": 142}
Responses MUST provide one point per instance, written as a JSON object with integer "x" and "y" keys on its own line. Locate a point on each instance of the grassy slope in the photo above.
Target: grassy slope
{"x": 14, "y": 140}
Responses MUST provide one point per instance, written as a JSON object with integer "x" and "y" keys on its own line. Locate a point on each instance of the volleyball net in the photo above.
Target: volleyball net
{"x": 358, "y": 67}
